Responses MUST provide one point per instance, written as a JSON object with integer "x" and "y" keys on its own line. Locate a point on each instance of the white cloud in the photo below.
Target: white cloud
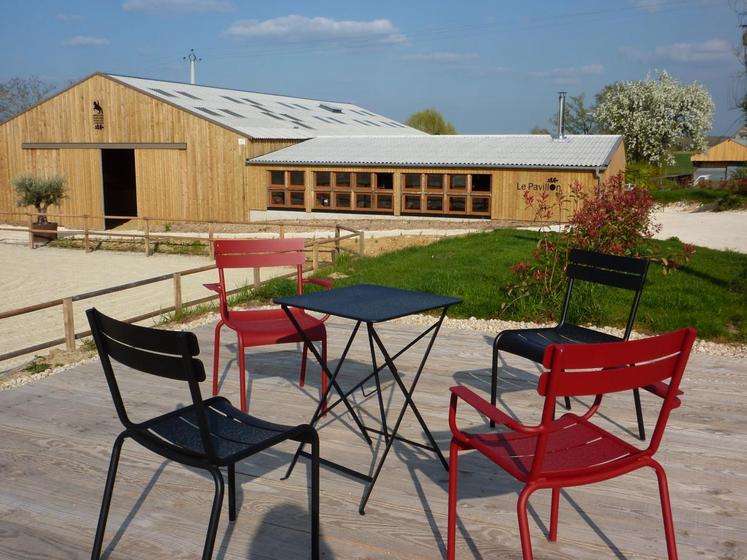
{"x": 68, "y": 17}
{"x": 190, "y": 6}
{"x": 300, "y": 28}
{"x": 442, "y": 57}
{"x": 712, "y": 50}
{"x": 86, "y": 41}
{"x": 649, "y": 6}
{"x": 568, "y": 72}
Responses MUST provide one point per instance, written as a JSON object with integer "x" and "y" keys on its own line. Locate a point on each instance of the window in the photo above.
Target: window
{"x": 229, "y": 112}
{"x": 322, "y": 200}
{"x": 342, "y": 179}
{"x": 434, "y": 182}
{"x": 323, "y": 179}
{"x": 458, "y": 204}
{"x": 277, "y": 198}
{"x": 412, "y": 181}
{"x": 384, "y": 202}
{"x": 342, "y": 200}
{"x": 412, "y": 202}
{"x": 297, "y": 178}
{"x": 434, "y": 204}
{"x": 363, "y": 201}
{"x": 481, "y": 183}
{"x": 163, "y": 92}
{"x": 297, "y": 198}
{"x": 457, "y": 182}
{"x": 208, "y": 111}
{"x": 277, "y": 178}
{"x": 363, "y": 180}
{"x": 232, "y": 99}
{"x": 384, "y": 181}
{"x": 187, "y": 94}
{"x": 480, "y": 205}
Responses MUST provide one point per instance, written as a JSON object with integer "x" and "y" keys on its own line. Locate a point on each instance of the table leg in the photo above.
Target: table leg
{"x": 408, "y": 402}
{"x": 369, "y": 327}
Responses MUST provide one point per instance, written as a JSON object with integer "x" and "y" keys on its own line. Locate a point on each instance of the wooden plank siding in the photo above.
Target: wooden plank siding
{"x": 726, "y": 151}
{"x": 206, "y": 181}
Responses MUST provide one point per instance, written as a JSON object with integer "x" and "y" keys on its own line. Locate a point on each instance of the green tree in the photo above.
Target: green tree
{"x": 655, "y": 116}
{"x": 431, "y": 121}
{"x": 18, "y": 94}
{"x": 579, "y": 119}
{"x": 539, "y": 130}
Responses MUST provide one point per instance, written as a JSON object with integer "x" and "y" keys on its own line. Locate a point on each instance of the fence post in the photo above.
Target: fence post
{"x": 86, "y": 239}
{"x": 31, "y": 233}
{"x": 211, "y": 249}
{"x": 256, "y": 278}
{"x": 69, "y": 323}
{"x": 146, "y": 237}
{"x": 282, "y": 231}
{"x": 177, "y": 292}
{"x": 314, "y": 257}
{"x": 337, "y": 243}
{"x": 362, "y": 244}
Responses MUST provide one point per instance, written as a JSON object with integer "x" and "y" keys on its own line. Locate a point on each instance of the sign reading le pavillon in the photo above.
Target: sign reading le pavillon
{"x": 550, "y": 184}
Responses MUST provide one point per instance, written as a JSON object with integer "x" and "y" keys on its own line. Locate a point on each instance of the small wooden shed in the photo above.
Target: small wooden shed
{"x": 720, "y": 161}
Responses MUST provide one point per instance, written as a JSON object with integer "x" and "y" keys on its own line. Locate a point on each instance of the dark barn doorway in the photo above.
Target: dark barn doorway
{"x": 120, "y": 193}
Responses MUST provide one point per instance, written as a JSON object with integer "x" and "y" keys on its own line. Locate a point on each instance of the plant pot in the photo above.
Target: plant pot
{"x": 49, "y": 233}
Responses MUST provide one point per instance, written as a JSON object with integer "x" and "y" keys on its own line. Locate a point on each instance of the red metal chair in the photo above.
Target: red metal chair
{"x": 571, "y": 450}
{"x": 264, "y": 326}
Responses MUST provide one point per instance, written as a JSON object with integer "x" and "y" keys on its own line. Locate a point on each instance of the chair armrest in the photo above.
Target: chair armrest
{"x": 215, "y": 287}
{"x": 323, "y": 282}
{"x": 660, "y": 389}
{"x": 484, "y": 407}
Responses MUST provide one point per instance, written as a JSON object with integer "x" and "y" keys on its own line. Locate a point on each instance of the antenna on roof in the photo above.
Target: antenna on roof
{"x": 193, "y": 60}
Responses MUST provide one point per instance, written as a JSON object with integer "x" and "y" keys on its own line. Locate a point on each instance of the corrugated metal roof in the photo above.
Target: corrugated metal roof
{"x": 528, "y": 150}
{"x": 263, "y": 115}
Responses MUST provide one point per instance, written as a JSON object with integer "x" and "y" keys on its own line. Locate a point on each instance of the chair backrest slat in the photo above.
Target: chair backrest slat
{"x": 619, "y": 263}
{"x": 604, "y": 277}
{"x": 162, "y": 365}
{"x": 610, "y": 270}
{"x": 163, "y": 342}
{"x": 250, "y": 253}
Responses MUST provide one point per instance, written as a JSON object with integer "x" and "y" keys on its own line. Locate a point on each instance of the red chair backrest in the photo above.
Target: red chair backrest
{"x": 599, "y": 369}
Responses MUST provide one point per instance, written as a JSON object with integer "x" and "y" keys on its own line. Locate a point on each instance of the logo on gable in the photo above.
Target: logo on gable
{"x": 98, "y": 116}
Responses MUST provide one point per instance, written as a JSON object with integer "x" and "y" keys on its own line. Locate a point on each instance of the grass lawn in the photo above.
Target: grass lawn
{"x": 709, "y": 292}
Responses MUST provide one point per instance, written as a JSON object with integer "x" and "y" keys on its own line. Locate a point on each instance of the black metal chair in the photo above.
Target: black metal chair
{"x": 610, "y": 270}
{"x": 207, "y": 434}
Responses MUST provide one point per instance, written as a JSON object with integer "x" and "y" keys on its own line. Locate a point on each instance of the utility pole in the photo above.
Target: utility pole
{"x": 193, "y": 60}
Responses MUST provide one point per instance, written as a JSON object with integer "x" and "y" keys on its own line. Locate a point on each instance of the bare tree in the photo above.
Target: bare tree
{"x": 18, "y": 94}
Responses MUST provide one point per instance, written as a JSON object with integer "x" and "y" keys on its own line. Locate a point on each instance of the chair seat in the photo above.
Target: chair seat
{"x": 235, "y": 435}
{"x": 573, "y": 444}
{"x": 271, "y": 326}
{"x": 531, "y": 343}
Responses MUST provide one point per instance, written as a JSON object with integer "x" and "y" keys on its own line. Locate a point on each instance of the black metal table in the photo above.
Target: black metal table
{"x": 372, "y": 304}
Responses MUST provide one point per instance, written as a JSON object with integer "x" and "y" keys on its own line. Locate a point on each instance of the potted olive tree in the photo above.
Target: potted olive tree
{"x": 41, "y": 193}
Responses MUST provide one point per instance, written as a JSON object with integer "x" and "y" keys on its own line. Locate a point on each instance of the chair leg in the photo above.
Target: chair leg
{"x": 494, "y": 375}
{"x": 216, "y": 357}
{"x": 567, "y": 403}
{"x": 451, "y": 526}
{"x": 302, "y": 378}
{"x": 324, "y": 376}
{"x": 554, "y": 506}
{"x": 232, "y": 492}
{"x": 666, "y": 510}
{"x": 639, "y": 414}
{"x": 314, "y": 495}
{"x": 521, "y": 510}
{"x": 242, "y": 376}
{"x": 107, "y": 499}
{"x": 207, "y": 551}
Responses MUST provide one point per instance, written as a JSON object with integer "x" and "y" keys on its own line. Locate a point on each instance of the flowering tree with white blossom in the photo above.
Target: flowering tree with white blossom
{"x": 656, "y": 114}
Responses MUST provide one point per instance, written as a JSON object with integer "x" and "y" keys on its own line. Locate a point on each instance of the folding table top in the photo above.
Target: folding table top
{"x": 368, "y": 303}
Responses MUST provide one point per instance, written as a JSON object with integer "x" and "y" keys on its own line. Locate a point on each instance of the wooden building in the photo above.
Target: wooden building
{"x": 721, "y": 161}
{"x": 149, "y": 148}
{"x": 136, "y": 147}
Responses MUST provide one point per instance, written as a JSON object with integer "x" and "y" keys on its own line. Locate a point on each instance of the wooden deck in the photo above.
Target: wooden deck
{"x": 56, "y": 435}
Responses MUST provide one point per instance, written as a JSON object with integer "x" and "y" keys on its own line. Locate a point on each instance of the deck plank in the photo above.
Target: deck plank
{"x": 56, "y": 435}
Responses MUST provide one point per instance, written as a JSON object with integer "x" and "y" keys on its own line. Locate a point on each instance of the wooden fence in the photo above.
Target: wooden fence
{"x": 149, "y": 237}
{"x": 70, "y": 335}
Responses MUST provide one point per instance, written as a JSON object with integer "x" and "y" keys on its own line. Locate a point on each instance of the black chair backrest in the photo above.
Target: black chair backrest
{"x": 628, "y": 273}
{"x": 168, "y": 354}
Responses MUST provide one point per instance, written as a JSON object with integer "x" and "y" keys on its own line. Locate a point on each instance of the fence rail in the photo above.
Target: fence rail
{"x": 314, "y": 246}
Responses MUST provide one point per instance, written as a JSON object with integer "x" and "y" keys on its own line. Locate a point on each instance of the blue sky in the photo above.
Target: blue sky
{"x": 488, "y": 66}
